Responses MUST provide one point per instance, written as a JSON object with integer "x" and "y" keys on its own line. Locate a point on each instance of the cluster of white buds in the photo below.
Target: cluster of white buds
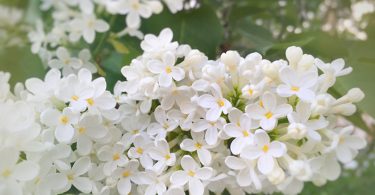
{"x": 179, "y": 123}
{"x": 75, "y": 20}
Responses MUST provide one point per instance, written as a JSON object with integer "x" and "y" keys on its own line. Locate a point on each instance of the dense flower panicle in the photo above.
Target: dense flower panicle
{"x": 179, "y": 123}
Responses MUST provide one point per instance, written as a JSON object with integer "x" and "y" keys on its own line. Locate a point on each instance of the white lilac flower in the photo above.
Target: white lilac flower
{"x": 87, "y": 26}
{"x": 126, "y": 175}
{"x": 298, "y": 84}
{"x": 161, "y": 153}
{"x": 264, "y": 151}
{"x": 64, "y": 61}
{"x": 192, "y": 174}
{"x": 348, "y": 145}
{"x": 268, "y": 111}
{"x": 198, "y": 144}
{"x": 140, "y": 151}
{"x": 166, "y": 70}
{"x": 215, "y": 103}
{"x": 241, "y": 128}
{"x": 62, "y": 121}
{"x": 162, "y": 125}
{"x": 74, "y": 175}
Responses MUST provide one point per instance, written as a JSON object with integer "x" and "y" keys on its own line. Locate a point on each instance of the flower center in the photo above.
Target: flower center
{"x": 75, "y": 98}
{"x": 198, "y": 145}
{"x": 116, "y": 156}
{"x": 245, "y": 133}
{"x": 135, "y": 131}
{"x": 268, "y": 115}
{"x": 220, "y": 103}
{"x": 139, "y": 150}
{"x": 167, "y": 156}
{"x": 126, "y": 173}
{"x": 6, "y": 173}
{"x": 294, "y": 88}
{"x": 64, "y": 120}
{"x": 90, "y": 101}
{"x": 265, "y": 148}
{"x": 70, "y": 177}
{"x": 168, "y": 69}
{"x": 261, "y": 103}
{"x": 81, "y": 130}
{"x": 250, "y": 91}
{"x": 191, "y": 173}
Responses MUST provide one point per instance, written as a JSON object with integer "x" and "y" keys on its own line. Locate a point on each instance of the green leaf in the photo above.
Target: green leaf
{"x": 252, "y": 36}
{"x": 21, "y": 63}
{"x": 200, "y": 28}
{"x": 118, "y": 46}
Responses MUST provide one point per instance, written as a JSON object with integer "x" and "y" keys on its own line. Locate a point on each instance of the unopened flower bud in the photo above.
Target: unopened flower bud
{"x": 355, "y": 95}
{"x": 294, "y": 55}
{"x": 345, "y": 109}
{"x": 306, "y": 62}
{"x": 297, "y": 130}
{"x": 231, "y": 59}
{"x": 276, "y": 176}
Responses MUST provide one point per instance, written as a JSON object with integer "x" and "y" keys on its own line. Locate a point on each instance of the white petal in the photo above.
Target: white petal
{"x": 177, "y": 73}
{"x": 25, "y": 171}
{"x": 355, "y": 142}
{"x": 81, "y": 166}
{"x": 269, "y": 101}
{"x": 265, "y": 164}
{"x": 89, "y": 35}
{"x": 101, "y": 26}
{"x": 237, "y": 145}
{"x": 206, "y": 101}
{"x": 235, "y": 163}
{"x": 188, "y": 145}
{"x": 306, "y": 95}
{"x": 124, "y": 186}
{"x": 251, "y": 152}
{"x": 64, "y": 133}
{"x": 213, "y": 114}
{"x": 83, "y": 184}
{"x": 165, "y": 80}
{"x": 243, "y": 178}
{"x": 50, "y": 117}
{"x": 84, "y": 145}
{"x": 211, "y": 136}
{"x": 344, "y": 154}
{"x": 196, "y": 187}
{"x": 179, "y": 178}
{"x": 233, "y": 130}
{"x": 277, "y": 149}
{"x": 204, "y": 156}
{"x": 204, "y": 173}
{"x": 268, "y": 124}
{"x": 133, "y": 20}
{"x": 188, "y": 163}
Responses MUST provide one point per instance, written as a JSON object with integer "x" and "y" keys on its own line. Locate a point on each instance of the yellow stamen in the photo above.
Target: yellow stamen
{"x": 221, "y": 103}
{"x": 167, "y": 157}
{"x": 268, "y": 115}
{"x": 90, "y": 101}
{"x": 116, "y": 156}
{"x": 139, "y": 150}
{"x": 64, "y": 120}
{"x": 198, "y": 145}
{"x": 261, "y": 103}
{"x": 135, "y": 131}
{"x": 265, "y": 148}
{"x": 81, "y": 130}
{"x": 294, "y": 88}
{"x": 245, "y": 133}
{"x": 168, "y": 69}
{"x": 250, "y": 91}
{"x": 191, "y": 173}
{"x": 75, "y": 98}
{"x": 6, "y": 173}
{"x": 70, "y": 177}
{"x": 126, "y": 173}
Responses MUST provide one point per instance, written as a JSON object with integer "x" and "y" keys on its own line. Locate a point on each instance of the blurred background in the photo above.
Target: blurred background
{"x": 327, "y": 29}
